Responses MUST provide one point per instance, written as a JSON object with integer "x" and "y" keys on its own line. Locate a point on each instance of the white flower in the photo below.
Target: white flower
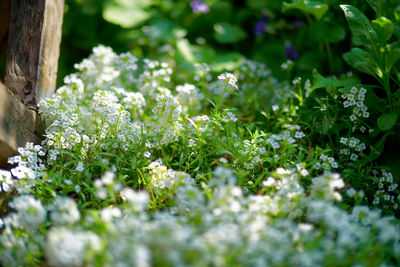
{"x": 230, "y": 80}
{"x": 269, "y": 182}
{"x": 108, "y": 178}
{"x": 191, "y": 142}
{"x": 223, "y": 160}
{"x": 353, "y": 157}
{"x": 79, "y": 166}
{"x": 64, "y": 210}
{"x": 30, "y": 211}
{"x": 67, "y": 247}
{"x": 6, "y": 181}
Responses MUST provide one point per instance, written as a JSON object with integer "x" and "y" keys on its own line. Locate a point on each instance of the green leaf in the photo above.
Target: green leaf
{"x": 184, "y": 48}
{"x": 318, "y": 31}
{"x": 165, "y": 31}
{"x": 227, "y": 33}
{"x": 397, "y": 13}
{"x": 376, "y": 151}
{"x": 316, "y": 8}
{"x": 391, "y": 58}
{"x": 360, "y": 26}
{"x": 126, "y": 13}
{"x": 330, "y": 84}
{"x": 387, "y": 121}
{"x": 372, "y": 4}
{"x": 259, "y": 4}
{"x": 384, "y": 28}
{"x": 362, "y": 61}
{"x": 336, "y": 34}
{"x": 227, "y": 62}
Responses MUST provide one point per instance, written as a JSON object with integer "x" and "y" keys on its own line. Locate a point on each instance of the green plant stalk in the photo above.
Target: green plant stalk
{"x": 329, "y": 52}
{"x": 220, "y": 99}
{"x": 379, "y": 11}
{"x": 386, "y": 84}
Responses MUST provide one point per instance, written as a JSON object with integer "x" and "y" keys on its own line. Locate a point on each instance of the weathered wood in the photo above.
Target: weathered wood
{"x": 34, "y": 37}
{"x": 4, "y": 19}
{"x": 50, "y": 50}
{"x": 33, "y": 48}
{"x": 18, "y": 124}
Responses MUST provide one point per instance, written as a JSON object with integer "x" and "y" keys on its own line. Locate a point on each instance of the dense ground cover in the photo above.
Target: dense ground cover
{"x": 182, "y": 154}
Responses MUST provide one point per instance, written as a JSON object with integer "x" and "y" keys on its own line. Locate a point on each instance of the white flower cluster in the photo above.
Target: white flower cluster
{"x": 69, "y": 247}
{"x": 29, "y": 169}
{"x": 107, "y": 185}
{"x": 207, "y": 227}
{"x": 353, "y": 146}
{"x": 153, "y": 76}
{"x": 228, "y": 116}
{"x": 202, "y": 72}
{"x": 190, "y": 97}
{"x": 356, "y": 99}
{"x": 228, "y": 81}
{"x": 326, "y": 163}
{"x": 251, "y": 152}
{"x": 163, "y": 178}
{"x": 99, "y": 69}
{"x": 177, "y": 220}
{"x": 388, "y": 192}
{"x": 324, "y": 187}
{"x": 118, "y": 90}
{"x": 294, "y": 132}
{"x": 166, "y": 124}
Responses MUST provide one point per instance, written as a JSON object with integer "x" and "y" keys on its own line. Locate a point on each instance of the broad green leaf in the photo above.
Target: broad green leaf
{"x": 227, "y": 62}
{"x": 336, "y": 34}
{"x": 387, "y": 121}
{"x": 309, "y": 60}
{"x": 126, "y": 13}
{"x": 165, "y": 31}
{"x": 372, "y": 4}
{"x": 319, "y": 31}
{"x": 185, "y": 50}
{"x": 384, "y": 28}
{"x": 360, "y": 26}
{"x": 391, "y": 58}
{"x": 331, "y": 84}
{"x": 227, "y": 33}
{"x": 316, "y": 8}
{"x": 362, "y": 61}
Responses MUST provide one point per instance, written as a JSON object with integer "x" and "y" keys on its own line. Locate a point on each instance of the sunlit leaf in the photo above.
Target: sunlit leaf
{"x": 227, "y": 33}
{"x": 316, "y": 8}
{"x": 126, "y": 13}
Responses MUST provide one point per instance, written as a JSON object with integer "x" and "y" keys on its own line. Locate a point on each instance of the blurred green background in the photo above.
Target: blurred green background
{"x": 258, "y": 29}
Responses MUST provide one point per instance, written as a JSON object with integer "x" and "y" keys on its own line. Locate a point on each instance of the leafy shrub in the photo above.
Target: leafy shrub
{"x": 186, "y": 152}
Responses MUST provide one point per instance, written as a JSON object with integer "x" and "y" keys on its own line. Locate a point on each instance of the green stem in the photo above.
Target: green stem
{"x": 379, "y": 8}
{"x": 220, "y": 99}
{"x": 329, "y": 52}
{"x": 388, "y": 91}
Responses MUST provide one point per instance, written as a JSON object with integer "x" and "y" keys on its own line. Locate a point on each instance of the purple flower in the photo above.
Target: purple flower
{"x": 290, "y": 52}
{"x": 198, "y": 6}
{"x": 297, "y": 23}
{"x": 260, "y": 26}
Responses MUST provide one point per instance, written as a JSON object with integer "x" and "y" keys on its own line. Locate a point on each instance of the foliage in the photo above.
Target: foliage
{"x": 220, "y": 139}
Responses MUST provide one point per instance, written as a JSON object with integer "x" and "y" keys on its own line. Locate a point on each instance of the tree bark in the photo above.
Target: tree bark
{"x": 33, "y": 48}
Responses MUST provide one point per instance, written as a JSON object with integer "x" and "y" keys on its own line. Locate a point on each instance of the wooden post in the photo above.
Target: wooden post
{"x": 4, "y": 19}
{"x": 34, "y": 37}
